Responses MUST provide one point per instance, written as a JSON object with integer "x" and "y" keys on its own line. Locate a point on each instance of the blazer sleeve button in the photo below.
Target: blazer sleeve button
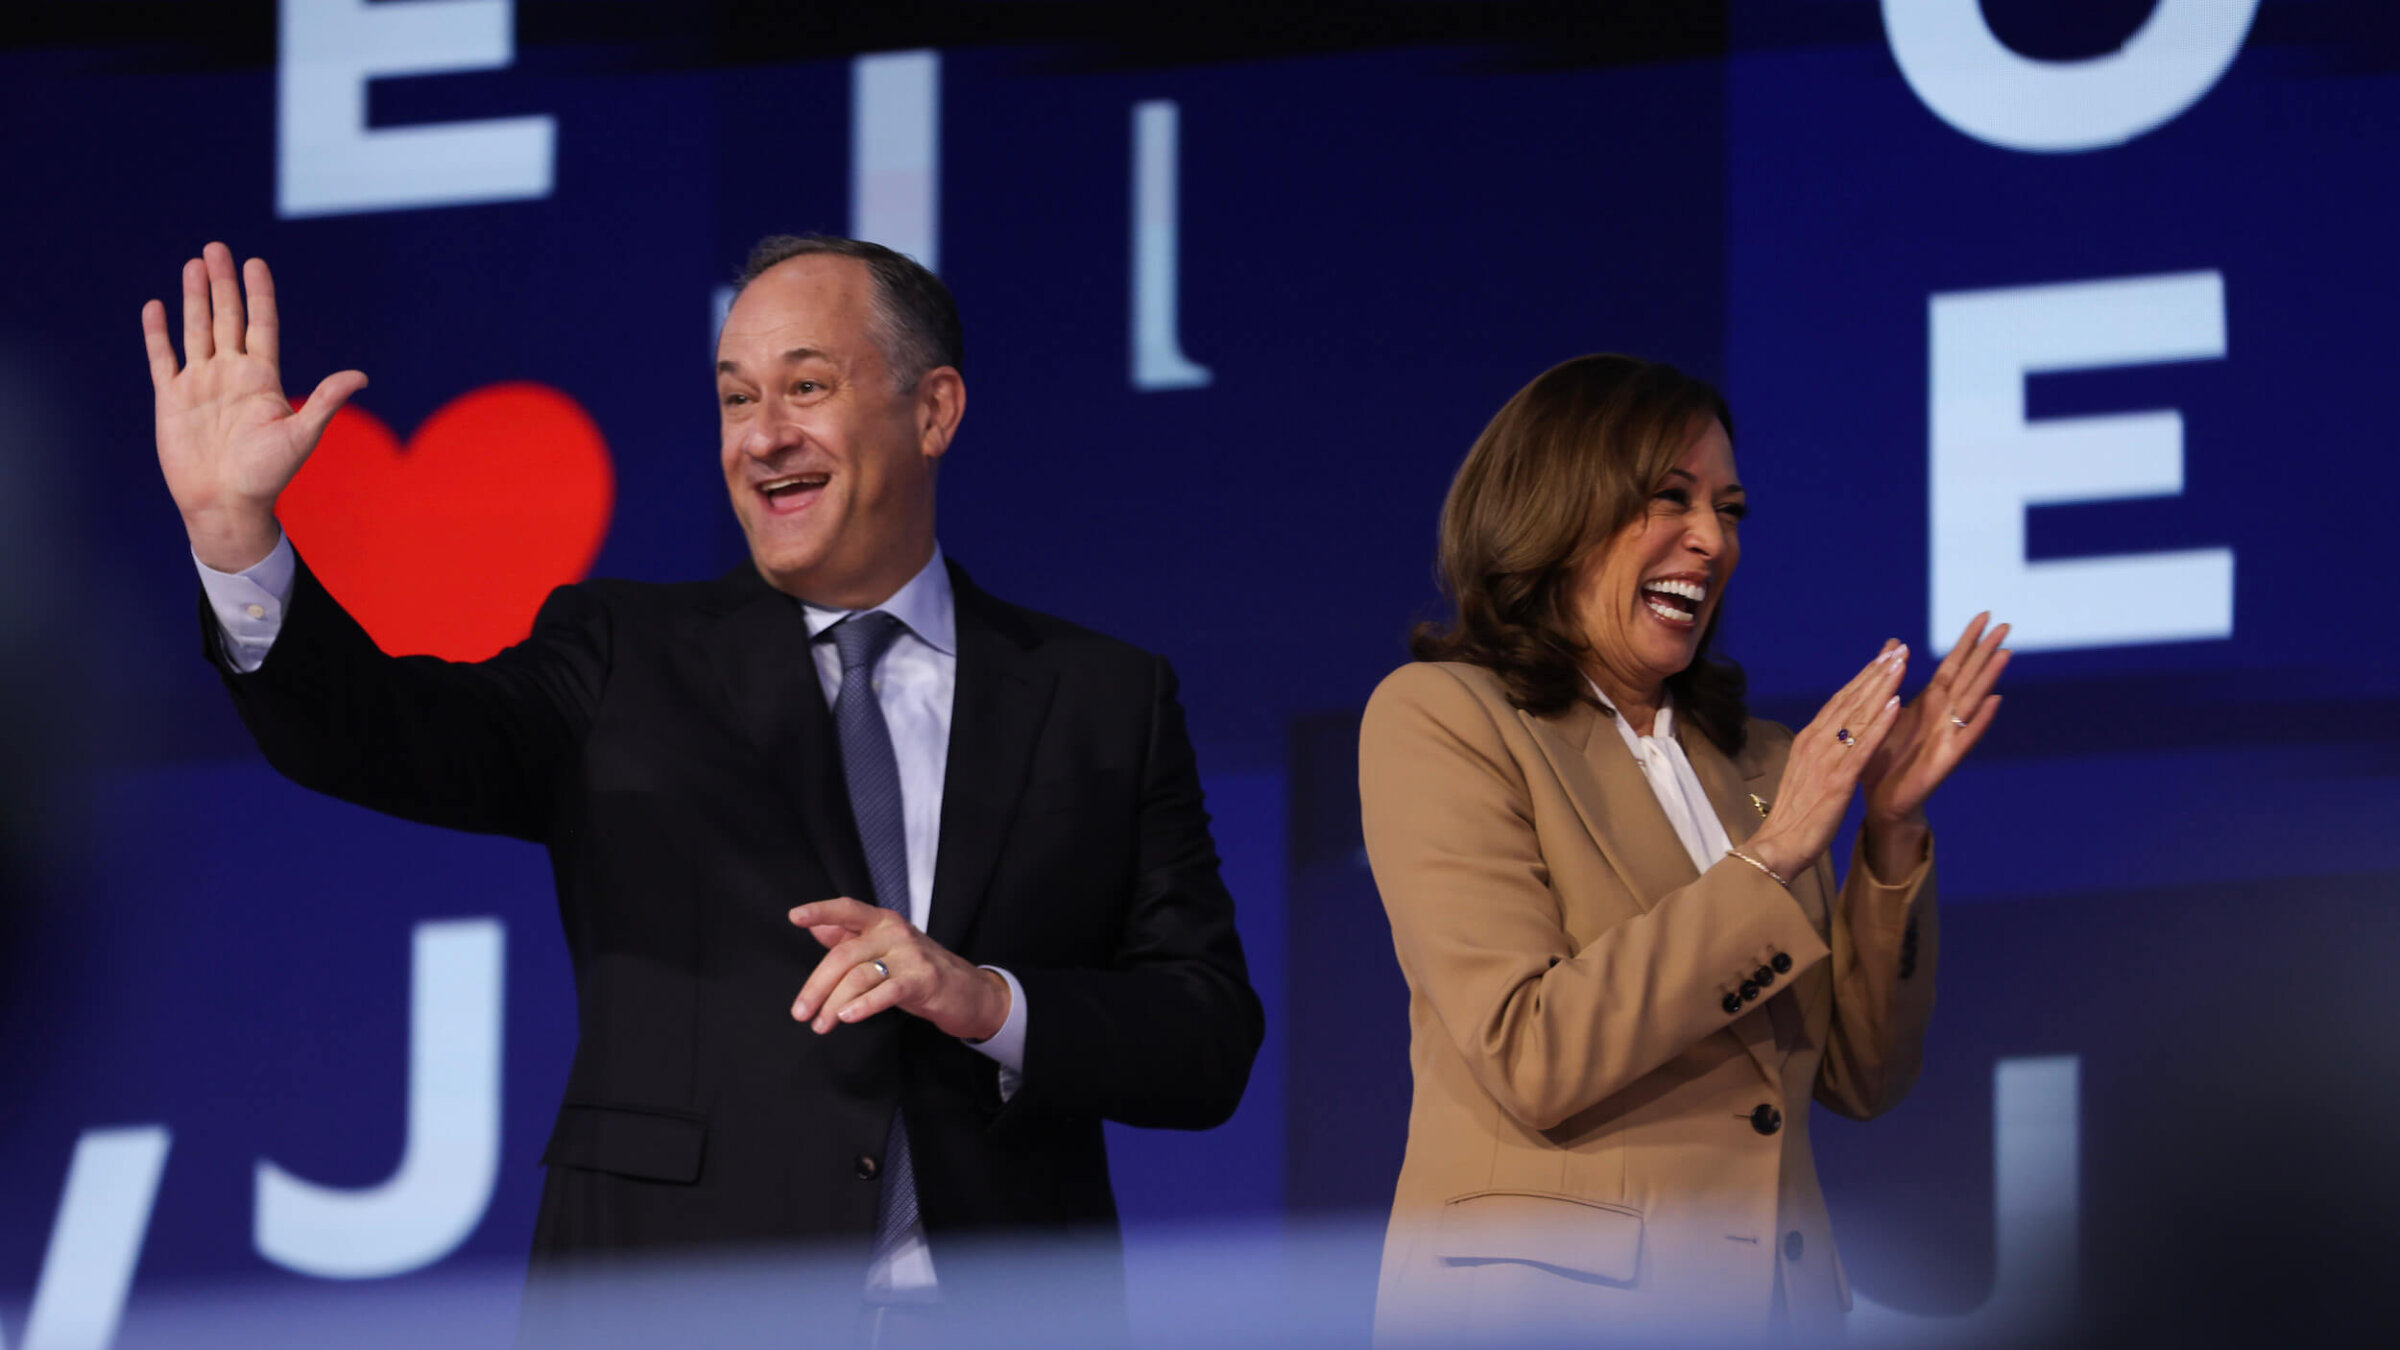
{"x": 1749, "y": 991}
{"x": 1782, "y": 963}
{"x": 1732, "y": 1003}
{"x": 1763, "y": 976}
{"x": 867, "y": 1167}
{"x": 1766, "y": 1119}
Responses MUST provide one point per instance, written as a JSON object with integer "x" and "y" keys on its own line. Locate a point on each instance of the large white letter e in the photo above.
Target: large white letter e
{"x": 1989, "y": 463}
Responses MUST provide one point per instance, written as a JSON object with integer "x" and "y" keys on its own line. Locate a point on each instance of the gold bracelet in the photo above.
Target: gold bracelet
{"x": 1771, "y": 872}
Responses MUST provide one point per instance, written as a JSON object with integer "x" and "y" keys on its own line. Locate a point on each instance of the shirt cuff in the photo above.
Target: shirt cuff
{"x": 249, "y": 603}
{"x": 1006, "y": 1048}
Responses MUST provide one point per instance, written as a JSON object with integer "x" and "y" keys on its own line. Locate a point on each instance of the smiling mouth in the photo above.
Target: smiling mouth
{"x": 1674, "y": 601}
{"x": 792, "y": 491}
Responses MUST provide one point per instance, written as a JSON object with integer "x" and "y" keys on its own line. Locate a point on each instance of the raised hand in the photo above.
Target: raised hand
{"x": 228, "y": 439}
{"x": 1937, "y": 728}
{"x": 1827, "y": 758}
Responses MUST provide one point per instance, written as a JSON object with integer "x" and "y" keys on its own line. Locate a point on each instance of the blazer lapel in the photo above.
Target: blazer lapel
{"x": 1001, "y": 700}
{"x": 761, "y": 652}
{"x": 1728, "y": 792}
{"x": 1614, "y": 800}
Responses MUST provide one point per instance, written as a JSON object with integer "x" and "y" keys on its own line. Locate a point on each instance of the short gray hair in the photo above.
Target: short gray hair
{"x": 916, "y": 321}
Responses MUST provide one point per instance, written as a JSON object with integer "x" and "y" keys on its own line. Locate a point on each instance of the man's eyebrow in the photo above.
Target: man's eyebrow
{"x": 791, "y": 358}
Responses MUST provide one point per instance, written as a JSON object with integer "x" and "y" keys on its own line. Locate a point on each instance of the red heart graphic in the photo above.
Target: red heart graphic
{"x": 449, "y": 548}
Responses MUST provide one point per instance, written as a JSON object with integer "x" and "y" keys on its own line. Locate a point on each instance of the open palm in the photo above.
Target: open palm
{"x": 228, "y": 438}
{"x": 1938, "y": 727}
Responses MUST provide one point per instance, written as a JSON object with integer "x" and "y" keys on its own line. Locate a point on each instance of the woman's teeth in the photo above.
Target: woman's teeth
{"x": 1674, "y": 601}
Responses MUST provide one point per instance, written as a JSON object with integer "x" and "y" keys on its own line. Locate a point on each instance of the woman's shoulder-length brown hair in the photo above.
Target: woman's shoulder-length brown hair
{"x": 1574, "y": 457}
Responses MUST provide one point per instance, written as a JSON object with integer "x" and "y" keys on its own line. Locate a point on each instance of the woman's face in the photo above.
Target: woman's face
{"x": 1647, "y": 594}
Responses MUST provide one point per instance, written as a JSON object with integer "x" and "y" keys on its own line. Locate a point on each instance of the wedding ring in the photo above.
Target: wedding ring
{"x": 881, "y": 969}
{"x": 1844, "y": 737}
{"x": 1958, "y": 721}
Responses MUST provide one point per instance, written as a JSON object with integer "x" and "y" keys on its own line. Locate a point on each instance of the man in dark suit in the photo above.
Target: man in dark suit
{"x": 881, "y": 893}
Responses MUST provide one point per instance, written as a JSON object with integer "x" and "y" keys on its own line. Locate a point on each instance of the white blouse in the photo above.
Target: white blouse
{"x": 1674, "y": 784}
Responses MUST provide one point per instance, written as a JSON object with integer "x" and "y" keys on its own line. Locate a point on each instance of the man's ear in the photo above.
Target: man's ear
{"x": 941, "y": 405}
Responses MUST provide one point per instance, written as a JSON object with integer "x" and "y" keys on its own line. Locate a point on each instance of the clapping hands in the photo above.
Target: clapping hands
{"x": 1937, "y": 728}
{"x": 1864, "y": 737}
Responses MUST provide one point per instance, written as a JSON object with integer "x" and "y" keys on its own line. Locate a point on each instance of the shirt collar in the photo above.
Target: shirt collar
{"x": 1662, "y": 724}
{"x": 925, "y": 605}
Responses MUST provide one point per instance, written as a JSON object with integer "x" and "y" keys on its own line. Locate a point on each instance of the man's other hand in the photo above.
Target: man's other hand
{"x": 926, "y": 979}
{"x": 228, "y": 439}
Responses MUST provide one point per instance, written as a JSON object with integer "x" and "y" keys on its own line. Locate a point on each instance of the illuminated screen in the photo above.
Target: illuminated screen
{"x": 2080, "y": 312}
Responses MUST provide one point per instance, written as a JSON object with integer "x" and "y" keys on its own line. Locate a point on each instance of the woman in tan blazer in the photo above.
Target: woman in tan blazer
{"x": 1630, "y": 968}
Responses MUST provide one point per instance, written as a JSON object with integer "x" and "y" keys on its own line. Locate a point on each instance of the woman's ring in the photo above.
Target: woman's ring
{"x": 1844, "y": 737}
{"x": 1958, "y": 721}
{"x": 881, "y": 969}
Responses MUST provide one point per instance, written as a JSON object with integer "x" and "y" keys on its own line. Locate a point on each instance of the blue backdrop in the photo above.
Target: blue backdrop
{"x": 1239, "y": 291}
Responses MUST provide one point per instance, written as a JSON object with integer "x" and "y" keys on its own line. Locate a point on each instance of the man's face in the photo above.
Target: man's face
{"x": 830, "y": 467}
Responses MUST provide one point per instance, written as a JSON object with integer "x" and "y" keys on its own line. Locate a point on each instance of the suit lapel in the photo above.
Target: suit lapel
{"x": 999, "y": 704}
{"x": 761, "y": 652}
{"x": 1614, "y": 800}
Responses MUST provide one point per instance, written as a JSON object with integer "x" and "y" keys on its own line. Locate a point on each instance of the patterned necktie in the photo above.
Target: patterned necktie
{"x": 873, "y": 776}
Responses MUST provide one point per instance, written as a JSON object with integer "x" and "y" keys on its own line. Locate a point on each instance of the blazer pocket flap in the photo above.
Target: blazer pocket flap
{"x": 1583, "y": 1237}
{"x": 651, "y": 1145}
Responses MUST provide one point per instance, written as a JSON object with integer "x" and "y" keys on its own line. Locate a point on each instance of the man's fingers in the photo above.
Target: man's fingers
{"x": 263, "y": 339}
{"x": 225, "y": 296}
{"x": 198, "y": 346}
{"x": 857, "y": 983}
{"x": 830, "y": 969}
{"x": 883, "y": 996}
{"x": 828, "y": 934}
{"x": 161, "y": 348}
{"x": 332, "y": 392}
{"x": 855, "y": 915}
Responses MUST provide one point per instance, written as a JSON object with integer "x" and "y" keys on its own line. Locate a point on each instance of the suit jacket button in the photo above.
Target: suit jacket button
{"x": 1732, "y": 1003}
{"x": 867, "y": 1166}
{"x": 1764, "y": 976}
{"x": 1766, "y": 1119}
{"x": 1782, "y": 963}
{"x": 1792, "y": 1245}
{"x": 1749, "y": 991}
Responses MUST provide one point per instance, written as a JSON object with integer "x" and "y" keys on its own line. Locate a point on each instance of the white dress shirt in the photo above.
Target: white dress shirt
{"x": 916, "y": 681}
{"x": 1672, "y": 781}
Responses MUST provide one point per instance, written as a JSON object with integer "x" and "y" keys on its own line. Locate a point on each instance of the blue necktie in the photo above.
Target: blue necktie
{"x": 872, "y": 773}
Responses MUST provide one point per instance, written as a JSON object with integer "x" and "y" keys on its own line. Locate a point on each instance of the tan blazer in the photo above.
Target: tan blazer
{"x": 1614, "y": 1055}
